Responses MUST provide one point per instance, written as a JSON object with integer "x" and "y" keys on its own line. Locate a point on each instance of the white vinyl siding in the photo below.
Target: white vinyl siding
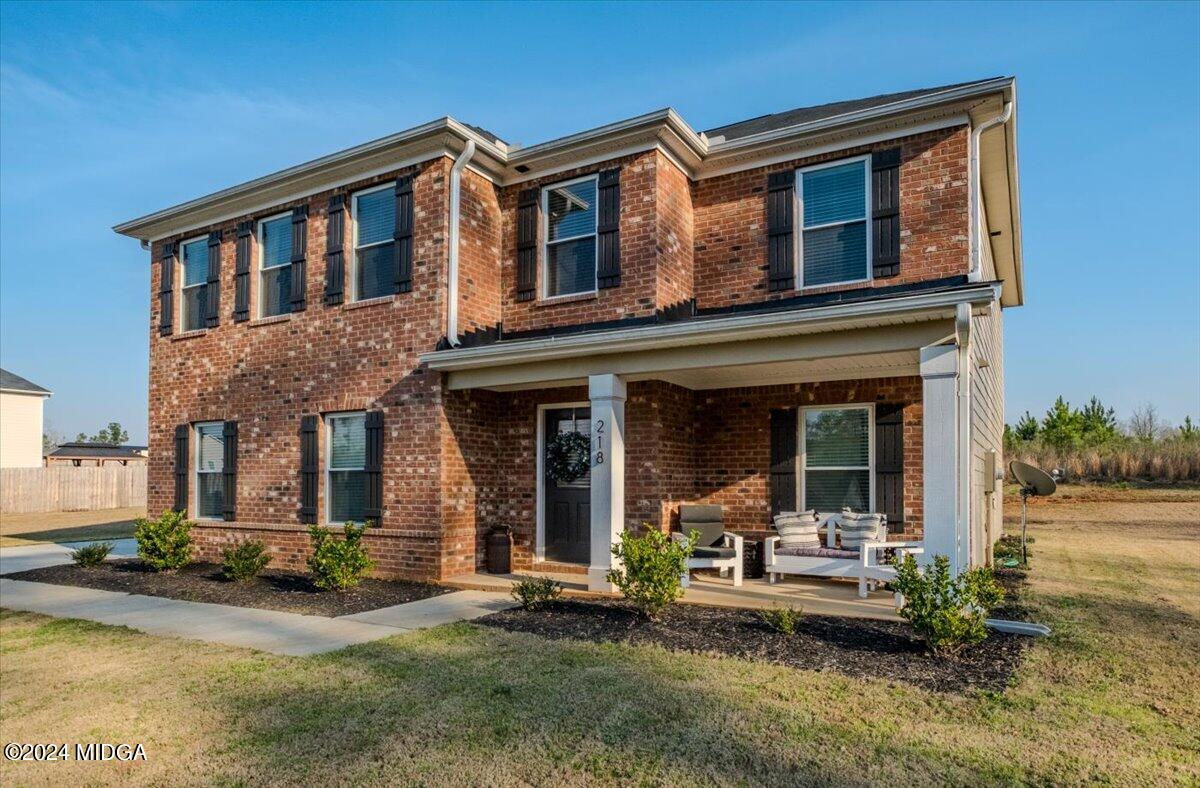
{"x": 987, "y": 428}
{"x": 834, "y": 245}
{"x": 569, "y": 259}
{"x": 837, "y": 458}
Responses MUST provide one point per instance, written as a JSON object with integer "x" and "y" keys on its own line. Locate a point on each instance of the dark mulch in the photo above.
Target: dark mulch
{"x": 203, "y": 582}
{"x": 862, "y": 648}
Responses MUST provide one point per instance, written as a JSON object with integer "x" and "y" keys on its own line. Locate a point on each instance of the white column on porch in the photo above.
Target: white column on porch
{"x": 607, "y": 395}
{"x": 939, "y": 374}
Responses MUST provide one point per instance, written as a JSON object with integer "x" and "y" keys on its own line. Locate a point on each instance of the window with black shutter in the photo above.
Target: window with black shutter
{"x": 181, "y": 468}
{"x": 276, "y": 263}
{"x": 335, "y": 267}
{"x": 229, "y": 472}
{"x": 608, "y": 231}
{"x": 374, "y": 466}
{"x": 403, "y": 234}
{"x": 783, "y": 460}
{"x": 374, "y": 266}
{"x": 299, "y": 250}
{"x": 781, "y": 199}
{"x": 889, "y": 464}
{"x": 572, "y": 230}
{"x": 241, "y": 276}
{"x": 166, "y": 288}
{"x": 527, "y": 232}
{"x": 885, "y": 214}
{"x": 212, "y": 306}
{"x": 309, "y": 469}
{"x": 193, "y": 291}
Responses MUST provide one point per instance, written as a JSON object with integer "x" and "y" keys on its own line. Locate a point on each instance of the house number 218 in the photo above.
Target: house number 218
{"x": 599, "y": 433}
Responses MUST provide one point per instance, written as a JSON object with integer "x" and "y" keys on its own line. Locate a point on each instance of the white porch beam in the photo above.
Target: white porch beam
{"x": 607, "y": 395}
{"x": 939, "y": 374}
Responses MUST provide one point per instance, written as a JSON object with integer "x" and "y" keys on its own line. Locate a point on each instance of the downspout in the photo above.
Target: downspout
{"x": 962, "y": 330}
{"x": 452, "y": 264}
{"x": 976, "y": 272}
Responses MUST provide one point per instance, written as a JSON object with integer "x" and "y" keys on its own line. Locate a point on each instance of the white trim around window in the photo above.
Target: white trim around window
{"x": 352, "y": 286}
{"x": 802, "y": 455}
{"x": 198, "y": 469}
{"x": 329, "y": 419}
{"x": 261, "y": 269}
{"x": 798, "y": 235}
{"x": 544, "y": 286}
{"x": 184, "y": 286}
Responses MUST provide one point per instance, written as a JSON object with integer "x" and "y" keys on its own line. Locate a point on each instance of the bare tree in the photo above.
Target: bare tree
{"x": 1145, "y": 424}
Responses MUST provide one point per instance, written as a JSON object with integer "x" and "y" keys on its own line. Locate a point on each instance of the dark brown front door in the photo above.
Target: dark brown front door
{"x": 567, "y": 504}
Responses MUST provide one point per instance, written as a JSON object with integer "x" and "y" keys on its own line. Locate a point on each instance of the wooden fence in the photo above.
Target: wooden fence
{"x": 71, "y": 489}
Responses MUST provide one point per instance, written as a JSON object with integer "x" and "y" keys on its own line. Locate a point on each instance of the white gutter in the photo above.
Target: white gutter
{"x": 963, "y": 527}
{"x": 733, "y": 328}
{"x": 976, "y": 272}
{"x": 452, "y": 264}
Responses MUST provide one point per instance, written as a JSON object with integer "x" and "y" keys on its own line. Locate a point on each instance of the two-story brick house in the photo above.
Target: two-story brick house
{"x": 397, "y": 332}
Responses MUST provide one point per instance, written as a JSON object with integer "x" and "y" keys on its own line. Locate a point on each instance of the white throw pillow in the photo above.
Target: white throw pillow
{"x": 798, "y": 529}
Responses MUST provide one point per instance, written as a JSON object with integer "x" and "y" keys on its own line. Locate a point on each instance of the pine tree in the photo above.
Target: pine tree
{"x": 1098, "y": 424}
{"x": 1062, "y": 427}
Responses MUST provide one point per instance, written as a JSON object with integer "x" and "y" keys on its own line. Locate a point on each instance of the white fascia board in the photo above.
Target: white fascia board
{"x": 651, "y": 120}
{"x": 723, "y": 329}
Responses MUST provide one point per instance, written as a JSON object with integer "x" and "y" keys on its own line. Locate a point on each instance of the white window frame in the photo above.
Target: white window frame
{"x": 802, "y": 453}
{"x": 262, "y": 268}
{"x": 329, "y": 469}
{"x": 353, "y": 287}
{"x": 800, "y": 228}
{"x": 184, "y": 287}
{"x": 196, "y": 470}
{"x": 547, "y": 243}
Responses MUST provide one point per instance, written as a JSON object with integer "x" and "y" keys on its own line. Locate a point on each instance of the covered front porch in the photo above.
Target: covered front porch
{"x": 691, "y": 412}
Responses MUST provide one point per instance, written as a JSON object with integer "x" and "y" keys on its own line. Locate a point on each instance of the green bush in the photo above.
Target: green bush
{"x": 165, "y": 544}
{"x": 91, "y": 554}
{"x": 781, "y": 619}
{"x": 338, "y": 564}
{"x": 649, "y": 569}
{"x": 535, "y": 593}
{"x": 244, "y": 560}
{"x": 947, "y": 612}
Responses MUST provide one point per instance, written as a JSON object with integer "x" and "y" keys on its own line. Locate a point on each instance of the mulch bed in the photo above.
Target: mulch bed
{"x": 203, "y": 582}
{"x": 862, "y": 648}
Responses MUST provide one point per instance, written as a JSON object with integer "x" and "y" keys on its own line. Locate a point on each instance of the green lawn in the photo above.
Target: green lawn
{"x": 1112, "y": 696}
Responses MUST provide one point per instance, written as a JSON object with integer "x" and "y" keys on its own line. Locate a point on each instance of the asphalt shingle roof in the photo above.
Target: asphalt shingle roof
{"x": 17, "y": 383}
{"x": 106, "y": 450}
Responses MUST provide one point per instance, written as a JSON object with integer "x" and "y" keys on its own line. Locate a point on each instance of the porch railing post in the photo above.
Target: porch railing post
{"x": 607, "y": 395}
{"x": 939, "y": 375}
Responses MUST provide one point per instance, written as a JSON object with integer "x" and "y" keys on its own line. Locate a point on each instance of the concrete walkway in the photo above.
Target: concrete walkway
{"x": 292, "y": 634}
{"x": 37, "y": 556}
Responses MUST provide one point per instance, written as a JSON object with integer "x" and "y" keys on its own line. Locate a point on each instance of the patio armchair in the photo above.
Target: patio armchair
{"x": 714, "y": 548}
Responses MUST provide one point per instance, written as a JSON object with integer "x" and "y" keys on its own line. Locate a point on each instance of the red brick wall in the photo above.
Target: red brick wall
{"x": 675, "y": 244}
{"x": 730, "y": 220}
{"x": 480, "y": 239}
{"x": 267, "y": 374}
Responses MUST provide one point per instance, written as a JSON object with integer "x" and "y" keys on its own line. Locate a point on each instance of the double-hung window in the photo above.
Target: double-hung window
{"x": 195, "y": 279}
{"x": 346, "y": 467}
{"x": 837, "y": 458}
{"x": 374, "y": 242}
{"x": 275, "y": 263}
{"x": 834, "y": 235}
{"x": 210, "y": 463}
{"x": 570, "y": 259}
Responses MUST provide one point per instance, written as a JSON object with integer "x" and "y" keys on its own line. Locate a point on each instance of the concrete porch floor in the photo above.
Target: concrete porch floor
{"x": 816, "y": 596}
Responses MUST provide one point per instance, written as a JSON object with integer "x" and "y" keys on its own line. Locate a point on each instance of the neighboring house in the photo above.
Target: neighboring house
{"x": 97, "y": 454}
{"x": 21, "y": 419}
{"x": 799, "y": 310}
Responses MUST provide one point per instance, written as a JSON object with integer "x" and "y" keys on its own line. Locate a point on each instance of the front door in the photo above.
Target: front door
{"x": 567, "y": 505}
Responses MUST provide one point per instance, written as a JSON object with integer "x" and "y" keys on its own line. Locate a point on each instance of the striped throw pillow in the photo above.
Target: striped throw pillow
{"x": 798, "y": 529}
{"x": 859, "y": 528}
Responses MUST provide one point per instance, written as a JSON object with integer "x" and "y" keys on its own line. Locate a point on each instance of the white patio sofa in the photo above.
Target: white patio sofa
{"x": 714, "y": 548}
{"x": 865, "y": 564}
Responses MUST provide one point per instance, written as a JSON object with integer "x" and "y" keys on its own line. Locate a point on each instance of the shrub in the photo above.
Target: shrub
{"x": 535, "y": 593}
{"x": 782, "y": 619}
{"x": 948, "y": 613}
{"x": 649, "y": 569}
{"x": 91, "y": 554}
{"x": 245, "y": 560}
{"x": 165, "y": 544}
{"x": 338, "y": 564}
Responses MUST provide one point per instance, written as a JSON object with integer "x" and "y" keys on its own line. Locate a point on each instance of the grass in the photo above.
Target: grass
{"x": 1112, "y": 696}
{"x": 25, "y": 529}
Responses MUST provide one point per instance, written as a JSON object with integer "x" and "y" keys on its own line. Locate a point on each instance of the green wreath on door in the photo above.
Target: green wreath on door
{"x": 568, "y": 456}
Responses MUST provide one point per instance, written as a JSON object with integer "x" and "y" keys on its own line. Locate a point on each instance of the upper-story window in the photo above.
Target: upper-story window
{"x": 374, "y": 243}
{"x": 570, "y": 258}
{"x": 195, "y": 278}
{"x": 834, "y": 243}
{"x": 275, "y": 266}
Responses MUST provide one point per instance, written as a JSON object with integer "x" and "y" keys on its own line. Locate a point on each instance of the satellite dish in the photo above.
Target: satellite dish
{"x": 1033, "y": 481}
{"x": 1032, "y": 478}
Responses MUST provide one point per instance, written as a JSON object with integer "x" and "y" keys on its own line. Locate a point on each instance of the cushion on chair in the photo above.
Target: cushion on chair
{"x": 798, "y": 529}
{"x": 713, "y": 552}
{"x": 817, "y": 552}
{"x": 703, "y": 518}
{"x": 858, "y": 528}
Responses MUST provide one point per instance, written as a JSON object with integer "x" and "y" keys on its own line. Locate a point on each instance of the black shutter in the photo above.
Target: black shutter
{"x": 374, "y": 466}
{"x": 229, "y": 471}
{"x": 403, "y": 235}
{"x": 335, "y": 267}
{"x": 181, "y": 467}
{"x": 889, "y": 464}
{"x": 783, "y": 460}
{"x": 212, "y": 300}
{"x": 241, "y": 274}
{"x": 885, "y": 213}
{"x": 166, "y": 289}
{"x": 608, "y": 230}
{"x": 299, "y": 249}
{"x": 527, "y": 231}
{"x": 309, "y": 469}
{"x": 781, "y": 206}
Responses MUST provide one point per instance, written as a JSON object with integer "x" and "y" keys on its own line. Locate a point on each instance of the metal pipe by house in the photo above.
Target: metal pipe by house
{"x": 452, "y": 263}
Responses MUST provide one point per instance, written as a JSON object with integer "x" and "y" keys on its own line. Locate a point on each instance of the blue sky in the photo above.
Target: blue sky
{"x": 110, "y": 111}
